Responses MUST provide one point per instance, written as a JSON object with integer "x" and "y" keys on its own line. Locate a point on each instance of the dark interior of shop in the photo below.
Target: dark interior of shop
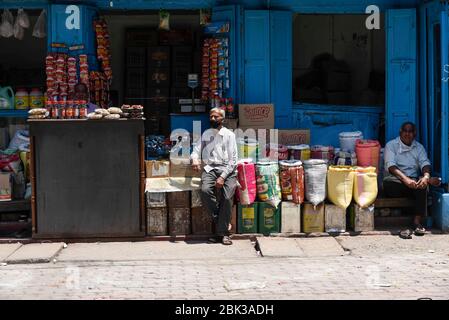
{"x": 336, "y": 61}
{"x": 151, "y": 65}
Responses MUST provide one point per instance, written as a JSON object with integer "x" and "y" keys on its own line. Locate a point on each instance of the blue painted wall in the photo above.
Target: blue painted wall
{"x": 293, "y": 5}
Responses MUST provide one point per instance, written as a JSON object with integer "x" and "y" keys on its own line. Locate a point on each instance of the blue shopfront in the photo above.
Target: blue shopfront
{"x": 374, "y": 78}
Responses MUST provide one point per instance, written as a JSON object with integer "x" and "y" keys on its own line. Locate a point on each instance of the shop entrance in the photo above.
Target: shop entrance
{"x": 151, "y": 65}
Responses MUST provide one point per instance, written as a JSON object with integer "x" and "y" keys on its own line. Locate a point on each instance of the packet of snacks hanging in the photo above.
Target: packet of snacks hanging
{"x": 164, "y": 20}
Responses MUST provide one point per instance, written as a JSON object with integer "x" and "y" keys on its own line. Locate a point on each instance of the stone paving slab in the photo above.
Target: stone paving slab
{"x": 35, "y": 253}
{"x": 7, "y": 249}
{"x": 300, "y": 247}
{"x": 320, "y": 247}
{"x": 381, "y": 245}
{"x": 156, "y": 250}
{"x": 279, "y": 247}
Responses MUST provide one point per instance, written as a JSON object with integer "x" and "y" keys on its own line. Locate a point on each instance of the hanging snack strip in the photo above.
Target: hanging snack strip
{"x": 72, "y": 75}
{"x": 215, "y": 70}
{"x": 205, "y": 71}
{"x": 99, "y": 89}
{"x": 50, "y": 69}
{"x": 61, "y": 75}
{"x": 103, "y": 47}
{"x": 84, "y": 70}
{"x": 213, "y": 73}
{"x": 223, "y": 66}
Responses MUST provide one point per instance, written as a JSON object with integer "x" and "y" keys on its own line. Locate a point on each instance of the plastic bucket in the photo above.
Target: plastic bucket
{"x": 368, "y": 153}
{"x": 348, "y": 140}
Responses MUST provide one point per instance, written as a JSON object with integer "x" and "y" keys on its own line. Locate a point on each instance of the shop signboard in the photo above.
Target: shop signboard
{"x": 71, "y": 25}
{"x": 256, "y": 116}
{"x": 217, "y": 27}
{"x": 294, "y": 137}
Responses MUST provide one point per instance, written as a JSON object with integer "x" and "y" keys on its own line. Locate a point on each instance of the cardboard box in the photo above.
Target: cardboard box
{"x": 256, "y": 116}
{"x": 5, "y": 186}
{"x": 288, "y": 137}
{"x": 157, "y": 169}
{"x": 183, "y": 170}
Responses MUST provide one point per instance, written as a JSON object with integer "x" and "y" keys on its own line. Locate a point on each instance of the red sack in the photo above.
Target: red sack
{"x": 246, "y": 175}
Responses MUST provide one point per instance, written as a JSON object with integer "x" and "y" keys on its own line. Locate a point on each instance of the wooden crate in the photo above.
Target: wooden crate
{"x": 180, "y": 199}
{"x": 179, "y": 221}
{"x": 290, "y": 217}
{"x": 201, "y": 221}
{"x": 157, "y": 222}
{"x": 156, "y": 199}
{"x": 334, "y": 218}
{"x": 196, "y": 199}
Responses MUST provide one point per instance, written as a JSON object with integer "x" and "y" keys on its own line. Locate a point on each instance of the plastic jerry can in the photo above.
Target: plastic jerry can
{"x": 361, "y": 219}
{"x": 247, "y": 218}
{"x": 6, "y": 98}
{"x": 269, "y": 218}
{"x": 313, "y": 218}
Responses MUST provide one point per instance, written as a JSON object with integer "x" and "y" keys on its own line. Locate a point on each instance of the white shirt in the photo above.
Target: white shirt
{"x": 218, "y": 150}
{"x": 409, "y": 159}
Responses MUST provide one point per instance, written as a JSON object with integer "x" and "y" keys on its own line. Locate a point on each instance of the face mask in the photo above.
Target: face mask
{"x": 214, "y": 124}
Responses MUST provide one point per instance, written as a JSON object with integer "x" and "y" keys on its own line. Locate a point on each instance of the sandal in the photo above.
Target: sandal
{"x": 226, "y": 241}
{"x": 214, "y": 240}
{"x": 419, "y": 230}
{"x": 405, "y": 234}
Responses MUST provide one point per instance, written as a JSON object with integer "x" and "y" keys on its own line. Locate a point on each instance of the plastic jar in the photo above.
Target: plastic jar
{"x": 36, "y": 98}
{"x": 22, "y": 99}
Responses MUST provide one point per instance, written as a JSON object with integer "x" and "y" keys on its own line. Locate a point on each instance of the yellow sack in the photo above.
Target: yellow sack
{"x": 340, "y": 182}
{"x": 365, "y": 186}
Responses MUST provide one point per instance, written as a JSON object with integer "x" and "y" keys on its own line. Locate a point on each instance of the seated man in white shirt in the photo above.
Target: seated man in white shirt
{"x": 408, "y": 172}
{"x": 218, "y": 150}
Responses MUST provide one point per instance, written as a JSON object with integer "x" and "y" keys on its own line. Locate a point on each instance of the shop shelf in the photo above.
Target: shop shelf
{"x": 13, "y": 113}
{"x": 15, "y": 205}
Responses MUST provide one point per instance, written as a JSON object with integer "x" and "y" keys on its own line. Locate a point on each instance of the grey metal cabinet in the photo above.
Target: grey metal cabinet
{"x": 87, "y": 178}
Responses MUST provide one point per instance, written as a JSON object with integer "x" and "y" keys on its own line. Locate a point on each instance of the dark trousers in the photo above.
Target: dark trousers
{"x": 396, "y": 189}
{"x": 218, "y": 202}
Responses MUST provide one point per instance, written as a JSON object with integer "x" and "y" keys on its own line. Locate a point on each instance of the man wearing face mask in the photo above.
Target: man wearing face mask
{"x": 218, "y": 150}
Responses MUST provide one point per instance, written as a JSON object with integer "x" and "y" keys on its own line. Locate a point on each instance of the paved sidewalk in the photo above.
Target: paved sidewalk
{"x": 371, "y": 267}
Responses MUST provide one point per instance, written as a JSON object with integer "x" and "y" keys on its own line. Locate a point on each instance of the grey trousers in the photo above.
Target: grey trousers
{"x": 218, "y": 202}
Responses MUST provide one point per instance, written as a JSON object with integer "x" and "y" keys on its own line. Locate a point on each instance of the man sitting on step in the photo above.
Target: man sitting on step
{"x": 408, "y": 172}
